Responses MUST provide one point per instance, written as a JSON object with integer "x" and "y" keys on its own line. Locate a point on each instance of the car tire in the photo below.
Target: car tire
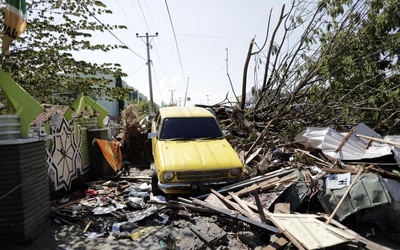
{"x": 154, "y": 184}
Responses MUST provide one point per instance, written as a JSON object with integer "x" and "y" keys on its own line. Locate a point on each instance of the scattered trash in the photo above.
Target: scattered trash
{"x": 325, "y": 184}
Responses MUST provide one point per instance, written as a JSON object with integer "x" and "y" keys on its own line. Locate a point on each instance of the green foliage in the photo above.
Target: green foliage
{"x": 143, "y": 108}
{"x": 359, "y": 64}
{"x": 303, "y": 159}
{"x": 41, "y": 61}
{"x": 291, "y": 130}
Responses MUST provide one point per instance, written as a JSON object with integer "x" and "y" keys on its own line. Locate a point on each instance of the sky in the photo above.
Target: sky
{"x": 198, "y": 43}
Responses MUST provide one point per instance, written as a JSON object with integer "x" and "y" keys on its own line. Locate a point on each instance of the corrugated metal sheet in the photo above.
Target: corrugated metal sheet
{"x": 368, "y": 191}
{"x": 355, "y": 148}
{"x": 26, "y": 210}
{"x": 395, "y": 149}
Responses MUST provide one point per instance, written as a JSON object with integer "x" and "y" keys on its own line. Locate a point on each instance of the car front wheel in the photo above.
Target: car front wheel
{"x": 154, "y": 184}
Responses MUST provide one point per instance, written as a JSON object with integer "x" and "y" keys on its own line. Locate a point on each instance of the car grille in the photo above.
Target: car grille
{"x": 210, "y": 175}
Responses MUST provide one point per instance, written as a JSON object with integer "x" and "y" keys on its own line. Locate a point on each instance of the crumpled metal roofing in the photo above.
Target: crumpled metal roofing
{"x": 355, "y": 148}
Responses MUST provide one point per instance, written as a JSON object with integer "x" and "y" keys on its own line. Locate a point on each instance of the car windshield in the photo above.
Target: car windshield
{"x": 190, "y": 128}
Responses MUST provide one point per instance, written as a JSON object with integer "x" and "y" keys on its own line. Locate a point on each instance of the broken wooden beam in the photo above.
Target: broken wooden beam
{"x": 264, "y": 185}
{"x": 255, "y": 186}
{"x": 277, "y": 244}
{"x": 266, "y": 227}
{"x": 245, "y": 183}
{"x": 233, "y": 205}
{"x": 245, "y": 207}
{"x": 345, "y": 139}
{"x": 339, "y": 170}
{"x": 344, "y": 195}
{"x": 378, "y": 140}
{"x": 259, "y": 206}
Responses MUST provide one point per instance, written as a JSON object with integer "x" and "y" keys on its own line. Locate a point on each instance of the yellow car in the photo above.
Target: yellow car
{"x": 190, "y": 152}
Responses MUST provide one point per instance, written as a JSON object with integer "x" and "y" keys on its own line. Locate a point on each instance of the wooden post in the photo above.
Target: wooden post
{"x": 344, "y": 196}
{"x": 378, "y": 139}
{"x": 345, "y": 139}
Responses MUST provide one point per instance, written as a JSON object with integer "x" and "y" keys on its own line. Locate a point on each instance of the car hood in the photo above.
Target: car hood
{"x": 198, "y": 155}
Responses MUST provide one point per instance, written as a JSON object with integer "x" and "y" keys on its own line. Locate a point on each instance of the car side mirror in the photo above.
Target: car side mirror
{"x": 152, "y": 135}
{"x": 225, "y": 132}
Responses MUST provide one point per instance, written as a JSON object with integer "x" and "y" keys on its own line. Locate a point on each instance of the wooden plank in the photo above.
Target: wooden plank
{"x": 264, "y": 185}
{"x": 345, "y": 139}
{"x": 293, "y": 240}
{"x": 282, "y": 208}
{"x": 214, "y": 200}
{"x": 272, "y": 185}
{"x": 369, "y": 244}
{"x": 319, "y": 234}
{"x": 232, "y": 204}
{"x": 266, "y": 227}
{"x": 338, "y": 170}
{"x": 245, "y": 183}
{"x": 255, "y": 208}
{"x": 244, "y": 206}
{"x": 253, "y": 187}
{"x": 259, "y": 206}
{"x": 278, "y": 244}
{"x": 344, "y": 196}
{"x": 378, "y": 139}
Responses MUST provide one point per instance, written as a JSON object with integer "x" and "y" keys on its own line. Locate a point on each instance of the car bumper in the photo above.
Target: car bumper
{"x": 175, "y": 188}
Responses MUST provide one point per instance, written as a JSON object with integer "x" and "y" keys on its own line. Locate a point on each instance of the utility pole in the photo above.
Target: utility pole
{"x": 171, "y": 102}
{"x": 187, "y": 86}
{"x": 149, "y": 67}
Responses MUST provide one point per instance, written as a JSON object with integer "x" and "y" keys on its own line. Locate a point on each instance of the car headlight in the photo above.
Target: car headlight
{"x": 236, "y": 171}
{"x": 168, "y": 176}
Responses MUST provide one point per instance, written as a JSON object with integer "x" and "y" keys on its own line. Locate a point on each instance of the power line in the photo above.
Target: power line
{"x": 137, "y": 69}
{"x": 151, "y": 18}
{"x": 215, "y": 37}
{"x": 144, "y": 22}
{"x": 126, "y": 16}
{"x": 94, "y": 16}
{"x": 137, "y": 13}
{"x": 144, "y": 17}
{"x": 176, "y": 42}
{"x": 156, "y": 47}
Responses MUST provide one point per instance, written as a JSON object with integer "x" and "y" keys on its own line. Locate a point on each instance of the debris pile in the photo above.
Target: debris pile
{"x": 264, "y": 211}
{"x": 325, "y": 189}
{"x": 135, "y": 146}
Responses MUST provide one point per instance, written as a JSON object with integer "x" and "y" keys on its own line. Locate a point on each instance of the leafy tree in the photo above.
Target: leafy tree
{"x": 361, "y": 68}
{"x": 343, "y": 69}
{"x": 143, "y": 108}
{"x": 41, "y": 60}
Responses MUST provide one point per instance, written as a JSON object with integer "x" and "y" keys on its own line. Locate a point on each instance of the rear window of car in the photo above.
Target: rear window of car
{"x": 190, "y": 128}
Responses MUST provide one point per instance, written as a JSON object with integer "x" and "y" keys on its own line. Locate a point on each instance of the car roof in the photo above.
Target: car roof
{"x": 184, "y": 111}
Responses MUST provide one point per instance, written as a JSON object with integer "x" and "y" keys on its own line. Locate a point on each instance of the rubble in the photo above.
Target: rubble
{"x": 325, "y": 190}
{"x": 221, "y": 219}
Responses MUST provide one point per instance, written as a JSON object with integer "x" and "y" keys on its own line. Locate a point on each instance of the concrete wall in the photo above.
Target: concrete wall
{"x": 24, "y": 190}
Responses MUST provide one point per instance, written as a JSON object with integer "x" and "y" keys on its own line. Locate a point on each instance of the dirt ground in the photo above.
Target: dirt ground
{"x": 65, "y": 237}
{"x": 70, "y": 237}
